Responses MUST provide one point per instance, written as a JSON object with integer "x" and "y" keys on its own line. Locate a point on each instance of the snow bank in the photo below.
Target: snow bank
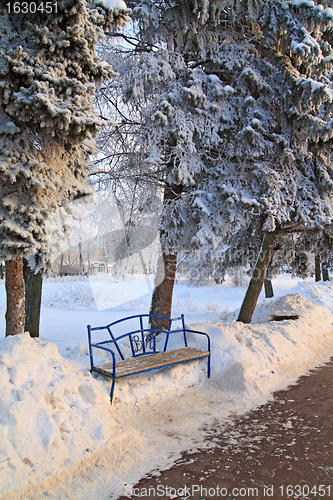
{"x": 62, "y": 439}
{"x": 50, "y": 412}
{"x": 320, "y": 293}
{"x": 263, "y": 356}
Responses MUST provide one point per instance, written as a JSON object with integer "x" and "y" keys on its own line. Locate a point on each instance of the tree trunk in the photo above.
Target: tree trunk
{"x": 258, "y": 278}
{"x": 61, "y": 264}
{"x": 88, "y": 258}
{"x": 2, "y": 274}
{"x": 81, "y": 260}
{"x": 317, "y": 268}
{"x": 268, "y": 288}
{"x": 33, "y": 297}
{"x": 15, "y": 296}
{"x": 324, "y": 268}
{"x": 161, "y": 301}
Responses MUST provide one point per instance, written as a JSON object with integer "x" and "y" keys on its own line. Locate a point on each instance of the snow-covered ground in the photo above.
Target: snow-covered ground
{"x": 60, "y": 437}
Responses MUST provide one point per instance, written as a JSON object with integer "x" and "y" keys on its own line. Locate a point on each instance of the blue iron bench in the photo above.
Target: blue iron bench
{"x": 141, "y": 348}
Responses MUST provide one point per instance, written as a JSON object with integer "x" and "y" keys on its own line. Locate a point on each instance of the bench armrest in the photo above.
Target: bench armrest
{"x": 187, "y": 330}
{"x": 103, "y": 348}
{"x": 184, "y": 331}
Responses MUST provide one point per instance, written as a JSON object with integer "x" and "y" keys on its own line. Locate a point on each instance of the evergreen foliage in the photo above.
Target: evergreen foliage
{"x": 48, "y": 72}
{"x": 234, "y": 103}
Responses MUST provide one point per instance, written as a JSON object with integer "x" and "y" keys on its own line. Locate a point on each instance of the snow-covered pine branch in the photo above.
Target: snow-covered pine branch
{"x": 48, "y": 73}
{"x": 236, "y": 109}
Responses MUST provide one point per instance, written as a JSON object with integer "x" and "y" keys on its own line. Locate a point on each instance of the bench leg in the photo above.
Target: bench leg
{"x": 112, "y": 389}
{"x": 208, "y": 367}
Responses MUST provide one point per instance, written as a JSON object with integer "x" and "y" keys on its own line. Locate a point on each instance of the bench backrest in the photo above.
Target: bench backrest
{"x": 139, "y": 339}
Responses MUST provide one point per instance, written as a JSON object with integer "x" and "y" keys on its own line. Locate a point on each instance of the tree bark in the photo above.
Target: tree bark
{"x": 61, "y": 265}
{"x": 14, "y": 285}
{"x": 324, "y": 268}
{"x": 269, "y": 293}
{"x": 258, "y": 278}
{"x": 81, "y": 260}
{"x": 33, "y": 297}
{"x": 161, "y": 302}
{"x": 317, "y": 268}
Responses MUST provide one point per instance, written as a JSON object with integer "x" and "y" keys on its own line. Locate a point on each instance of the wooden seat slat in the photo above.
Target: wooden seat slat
{"x": 151, "y": 361}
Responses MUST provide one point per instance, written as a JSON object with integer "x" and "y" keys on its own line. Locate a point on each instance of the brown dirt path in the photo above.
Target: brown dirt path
{"x": 281, "y": 450}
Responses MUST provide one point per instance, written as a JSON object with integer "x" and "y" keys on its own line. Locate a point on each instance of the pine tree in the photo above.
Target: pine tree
{"x": 278, "y": 139}
{"x": 170, "y": 131}
{"x": 235, "y": 110}
{"x": 48, "y": 72}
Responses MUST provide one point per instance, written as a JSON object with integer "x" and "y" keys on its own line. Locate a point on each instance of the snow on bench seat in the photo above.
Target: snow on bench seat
{"x": 151, "y": 361}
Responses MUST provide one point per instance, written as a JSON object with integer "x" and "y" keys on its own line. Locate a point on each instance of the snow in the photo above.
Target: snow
{"x": 301, "y": 3}
{"x": 115, "y": 4}
{"x": 62, "y": 439}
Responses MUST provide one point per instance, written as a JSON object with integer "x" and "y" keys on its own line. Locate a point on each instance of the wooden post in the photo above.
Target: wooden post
{"x": 268, "y": 288}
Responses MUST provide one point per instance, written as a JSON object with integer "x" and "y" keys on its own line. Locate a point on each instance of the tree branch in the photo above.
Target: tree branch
{"x": 292, "y": 228}
{"x": 133, "y": 41}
